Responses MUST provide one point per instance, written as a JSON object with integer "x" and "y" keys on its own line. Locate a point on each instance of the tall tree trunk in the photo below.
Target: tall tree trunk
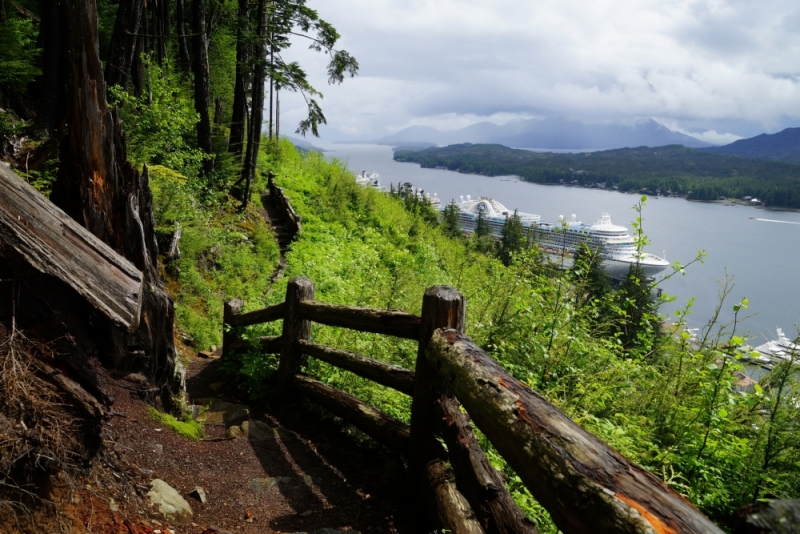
{"x": 277, "y": 113}
{"x": 2, "y": 11}
{"x": 158, "y": 29}
{"x": 180, "y": 22}
{"x": 102, "y": 191}
{"x": 243, "y": 74}
{"x": 257, "y": 113}
{"x": 271, "y": 84}
{"x": 53, "y": 41}
{"x": 202, "y": 92}
{"x": 123, "y": 43}
{"x": 142, "y": 47}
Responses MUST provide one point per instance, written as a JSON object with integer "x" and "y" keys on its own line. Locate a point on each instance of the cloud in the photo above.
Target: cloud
{"x": 446, "y": 62}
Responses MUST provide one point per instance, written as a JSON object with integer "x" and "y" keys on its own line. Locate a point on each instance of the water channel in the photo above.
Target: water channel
{"x": 757, "y": 247}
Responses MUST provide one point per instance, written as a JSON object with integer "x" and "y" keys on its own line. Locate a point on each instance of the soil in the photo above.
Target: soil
{"x": 354, "y": 484}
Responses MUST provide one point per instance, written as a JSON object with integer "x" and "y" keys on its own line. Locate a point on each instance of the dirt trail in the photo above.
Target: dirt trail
{"x": 312, "y": 475}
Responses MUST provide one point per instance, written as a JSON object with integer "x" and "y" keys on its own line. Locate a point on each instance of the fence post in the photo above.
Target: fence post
{"x": 231, "y": 308}
{"x": 442, "y": 307}
{"x": 295, "y": 329}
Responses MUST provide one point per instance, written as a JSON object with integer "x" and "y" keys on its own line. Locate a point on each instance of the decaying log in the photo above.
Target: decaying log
{"x": 584, "y": 484}
{"x": 281, "y": 201}
{"x": 383, "y": 373}
{"x": 389, "y": 322}
{"x": 53, "y": 243}
{"x": 453, "y": 511}
{"x": 266, "y": 315}
{"x": 295, "y": 328}
{"x": 476, "y": 479}
{"x": 98, "y": 188}
{"x": 780, "y": 516}
{"x": 385, "y": 429}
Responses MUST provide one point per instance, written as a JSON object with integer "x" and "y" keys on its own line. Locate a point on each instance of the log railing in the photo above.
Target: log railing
{"x": 585, "y": 485}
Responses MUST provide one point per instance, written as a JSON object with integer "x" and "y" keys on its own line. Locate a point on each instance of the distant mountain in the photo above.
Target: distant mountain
{"x": 552, "y": 133}
{"x": 782, "y": 146}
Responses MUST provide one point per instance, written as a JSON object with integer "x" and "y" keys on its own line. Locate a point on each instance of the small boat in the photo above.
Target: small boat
{"x": 751, "y": 218}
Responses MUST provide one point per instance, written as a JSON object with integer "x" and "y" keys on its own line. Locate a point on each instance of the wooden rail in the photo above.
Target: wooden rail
{"x": 584, "y": 484}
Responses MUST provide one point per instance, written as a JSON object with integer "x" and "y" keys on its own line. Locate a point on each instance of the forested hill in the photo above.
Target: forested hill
{"x": 782, "y": 146}
{"x": 674, "y": 168}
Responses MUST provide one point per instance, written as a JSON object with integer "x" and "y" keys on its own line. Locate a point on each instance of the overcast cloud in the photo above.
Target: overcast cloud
{"x": 717, "y": 69}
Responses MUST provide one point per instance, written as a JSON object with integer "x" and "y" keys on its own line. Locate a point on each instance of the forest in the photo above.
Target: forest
{"x": 178, "y": 102}
{"x": 671, "y": 170}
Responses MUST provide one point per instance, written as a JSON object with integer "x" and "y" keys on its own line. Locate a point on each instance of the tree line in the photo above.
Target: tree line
{"x": 673, "y": 170}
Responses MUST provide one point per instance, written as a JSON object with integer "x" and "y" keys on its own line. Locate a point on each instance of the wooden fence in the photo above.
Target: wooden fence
{"x": 584, "y": 484}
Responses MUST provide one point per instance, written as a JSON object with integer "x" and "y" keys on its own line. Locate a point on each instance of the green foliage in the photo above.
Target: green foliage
{"x": 512, "y": 238}
{"x": 223, "y": 253}
{"x": 450, "y": 220}
{"x": 18, "y": 53}
{"x": 675, "y": 169}
{"x": 160, "y": 123}
{"x": 189, "y": 428}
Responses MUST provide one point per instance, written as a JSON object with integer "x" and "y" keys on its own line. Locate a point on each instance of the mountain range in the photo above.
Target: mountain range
{"x": 550, "y": 133}
{"x": 782, "y": 146}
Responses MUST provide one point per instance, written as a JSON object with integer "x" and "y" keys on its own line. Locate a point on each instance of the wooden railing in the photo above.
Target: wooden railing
{"x": 584, "y": 484}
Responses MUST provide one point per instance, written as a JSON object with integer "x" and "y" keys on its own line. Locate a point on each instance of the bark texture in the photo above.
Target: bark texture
{"x": 98, "y": 188}
{"x": 584, "y": 484}
{"x": 53, "y": 243}
{"x": 257, "y": 109}
{"x": 243, "y": 75}
{"x": 390, "y": 322}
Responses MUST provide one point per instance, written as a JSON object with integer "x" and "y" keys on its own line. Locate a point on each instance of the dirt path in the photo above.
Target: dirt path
{"x": 310, "y": 476}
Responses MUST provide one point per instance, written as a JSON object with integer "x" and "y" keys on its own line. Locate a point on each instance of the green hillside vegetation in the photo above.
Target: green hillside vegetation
{"x": 682, "y": 171}
{"x": 601, "y": 355}
{"x": 598, "y": 354}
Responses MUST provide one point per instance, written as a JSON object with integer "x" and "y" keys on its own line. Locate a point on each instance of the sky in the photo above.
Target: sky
{"x": 716, "y": 69}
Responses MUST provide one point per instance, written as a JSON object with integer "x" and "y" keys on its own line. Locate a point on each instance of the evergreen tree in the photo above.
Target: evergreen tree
{"x": 588, "y": 272}
{"x": 639, "y": 325}
{"x": 450, "y": 216}
{"x": 482, "y": 236}
{"x": 512, "y": 238}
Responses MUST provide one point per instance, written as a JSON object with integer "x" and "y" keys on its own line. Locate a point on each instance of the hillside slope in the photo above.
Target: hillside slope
{"x": 782, "y": 146}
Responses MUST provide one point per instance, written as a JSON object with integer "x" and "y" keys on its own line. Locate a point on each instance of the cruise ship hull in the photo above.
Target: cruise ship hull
{"x": 561, "y": 240}
{"x": 619, "y": 269}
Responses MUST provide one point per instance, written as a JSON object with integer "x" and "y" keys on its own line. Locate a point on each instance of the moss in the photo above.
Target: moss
{"x": 188, "y": 429}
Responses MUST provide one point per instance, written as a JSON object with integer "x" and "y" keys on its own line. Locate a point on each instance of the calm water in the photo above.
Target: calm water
{"x": 761, "y": 255}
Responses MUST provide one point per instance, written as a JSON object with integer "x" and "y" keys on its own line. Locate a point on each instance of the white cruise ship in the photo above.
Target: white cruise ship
{"x": 613, "y": 242}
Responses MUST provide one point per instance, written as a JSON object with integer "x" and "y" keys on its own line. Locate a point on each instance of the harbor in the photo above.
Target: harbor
{"x": 756, "y": 254}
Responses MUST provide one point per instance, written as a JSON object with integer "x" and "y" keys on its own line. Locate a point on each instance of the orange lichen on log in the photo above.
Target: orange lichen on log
{"x": 657, "y": 524}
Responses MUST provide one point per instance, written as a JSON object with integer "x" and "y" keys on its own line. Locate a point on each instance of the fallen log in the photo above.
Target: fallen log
{"x": 585, "y": 485}
{"x": 51, "y": 242}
